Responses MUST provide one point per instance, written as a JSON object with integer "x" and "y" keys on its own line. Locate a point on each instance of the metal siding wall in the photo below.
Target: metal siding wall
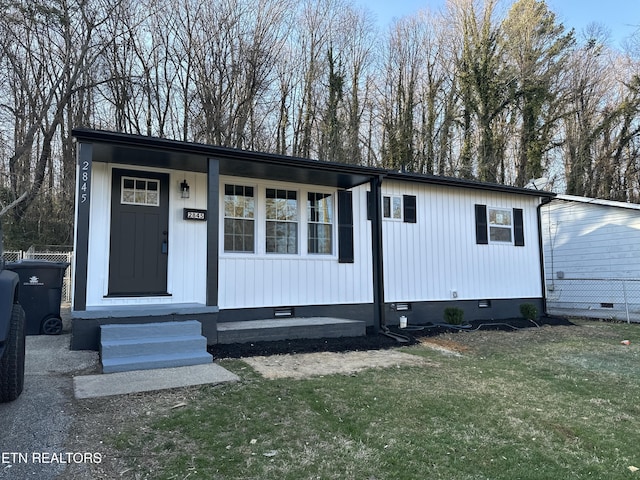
{"x": 591, "y": 240}
{"x": 187, "y": 242}
{"x": 255, "y": 280}
{"x": 427, "y": 260}
{"x": 597, "y": 248}
{"x": 99, "y": 224}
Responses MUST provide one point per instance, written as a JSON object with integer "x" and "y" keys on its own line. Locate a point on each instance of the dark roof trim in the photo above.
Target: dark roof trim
{"x": 462, "y": 183}
{"x": 297, "y": 169}
{"x": 156, "y": 143}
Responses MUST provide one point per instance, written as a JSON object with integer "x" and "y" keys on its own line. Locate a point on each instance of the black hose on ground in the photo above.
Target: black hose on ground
{"x": 463, "y": 328}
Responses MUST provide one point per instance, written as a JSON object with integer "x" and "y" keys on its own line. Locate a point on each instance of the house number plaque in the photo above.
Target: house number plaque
{"x": 195, "y": 215}
{"x": 85, "y": 178}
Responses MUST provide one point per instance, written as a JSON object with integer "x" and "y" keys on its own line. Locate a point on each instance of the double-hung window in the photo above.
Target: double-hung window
{"x": 239, "y": 223}
{"x": 500, "y": 225}
{"x": 281, "y": 221}
{"x": 320, "y": 226}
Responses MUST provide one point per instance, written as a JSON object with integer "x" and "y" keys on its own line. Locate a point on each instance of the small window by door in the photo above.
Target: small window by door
{"x": 140, "y": 191}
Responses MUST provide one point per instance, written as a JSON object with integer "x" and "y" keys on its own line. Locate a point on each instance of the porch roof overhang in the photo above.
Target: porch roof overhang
{"x": 156, "y": 152}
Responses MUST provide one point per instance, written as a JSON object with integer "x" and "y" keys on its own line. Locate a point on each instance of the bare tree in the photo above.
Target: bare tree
{"x": 47, "y": 46}
{"x": 488, "y": 83}
{"x": 238, "y": 43}
{"x": 311, "y": 40}
{"x": 539, "y": 49}
{"x": 591, "y": 88}
{"x": 355, "y": 40}
{"x": 400, "y": 79}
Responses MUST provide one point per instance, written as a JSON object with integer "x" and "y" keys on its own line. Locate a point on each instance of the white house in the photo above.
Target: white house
{"x": 592, "y": 257}
{"x": 169, "y": 230}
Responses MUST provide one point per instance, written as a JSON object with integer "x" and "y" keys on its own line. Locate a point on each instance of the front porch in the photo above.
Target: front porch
{"x": 85, "y": 330}
{"x": 289, "y": 329}
{"x": 86, "y": 324}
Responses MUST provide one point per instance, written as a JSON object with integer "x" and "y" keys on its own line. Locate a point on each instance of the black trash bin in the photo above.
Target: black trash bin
{"x": 40, "y": 293}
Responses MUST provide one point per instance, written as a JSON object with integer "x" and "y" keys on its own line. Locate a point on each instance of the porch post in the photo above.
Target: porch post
{"x": 213, "y": 213}
{"x": 84, "y": 158}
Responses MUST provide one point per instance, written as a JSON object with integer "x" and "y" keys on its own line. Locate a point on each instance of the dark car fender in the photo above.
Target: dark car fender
{"x": 8, "y": 296}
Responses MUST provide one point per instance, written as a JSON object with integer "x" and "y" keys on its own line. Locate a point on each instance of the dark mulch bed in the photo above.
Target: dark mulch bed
{"x": 371, "y": 341}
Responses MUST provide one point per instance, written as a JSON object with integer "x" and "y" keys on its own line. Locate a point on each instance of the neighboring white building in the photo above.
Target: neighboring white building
{"x": 262, "y": 236}
{"x": 592, "y": 257}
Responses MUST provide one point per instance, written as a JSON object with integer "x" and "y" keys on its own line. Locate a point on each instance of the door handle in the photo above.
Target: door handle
{"x": 164, "y": 249}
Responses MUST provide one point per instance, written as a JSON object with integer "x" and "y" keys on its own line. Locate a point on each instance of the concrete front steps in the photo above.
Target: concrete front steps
{"x": 289, "y": 329}
{"x": 144, "y": 346}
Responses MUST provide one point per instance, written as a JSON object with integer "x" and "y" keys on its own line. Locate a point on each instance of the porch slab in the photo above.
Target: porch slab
{"x": 289, "y": 329}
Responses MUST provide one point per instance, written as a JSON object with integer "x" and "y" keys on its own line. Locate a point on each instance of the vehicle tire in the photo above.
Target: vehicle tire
{"x": 12, "y": 362}
{"x": 52, "y": 326}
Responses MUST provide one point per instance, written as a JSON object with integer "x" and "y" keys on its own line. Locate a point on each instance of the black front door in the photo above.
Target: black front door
{"x": 139, "y": 233}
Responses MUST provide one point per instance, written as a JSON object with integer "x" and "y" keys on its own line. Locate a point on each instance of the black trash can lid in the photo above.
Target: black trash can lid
{"x": 35, "y": 264}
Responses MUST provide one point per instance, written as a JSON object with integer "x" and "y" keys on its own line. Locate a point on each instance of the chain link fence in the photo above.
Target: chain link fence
{"x": 53, "y": 256}
{"x": 601, "y": 298}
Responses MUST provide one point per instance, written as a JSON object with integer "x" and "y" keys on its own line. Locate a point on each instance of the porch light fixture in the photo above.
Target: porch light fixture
{"x": 184, "y": 189}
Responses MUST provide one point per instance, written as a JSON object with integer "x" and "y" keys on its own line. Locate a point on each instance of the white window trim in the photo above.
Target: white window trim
{"x": 308, "y": 222}
{"x": 295, "y": 221}
{"x": 392, "y": 197}
{"x": 510, "y": 226}
{"x": 260, "y": 219}
{"x": 224, "y": 217}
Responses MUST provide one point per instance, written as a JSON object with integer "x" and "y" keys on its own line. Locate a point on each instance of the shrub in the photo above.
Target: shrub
{"x": 529, "y": 311}
{"x": 454, "y": 315}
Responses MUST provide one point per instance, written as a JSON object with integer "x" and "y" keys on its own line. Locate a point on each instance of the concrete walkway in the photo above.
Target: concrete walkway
{"x": 41, "y": 418}
{"x": 51, "y": 356}
{"x": 103, "y": 385}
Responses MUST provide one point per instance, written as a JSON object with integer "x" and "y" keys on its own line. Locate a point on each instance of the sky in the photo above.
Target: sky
{"x": 621, "y": 17}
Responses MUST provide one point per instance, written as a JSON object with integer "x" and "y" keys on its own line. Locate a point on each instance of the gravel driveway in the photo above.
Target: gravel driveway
{"x": 34, "y": 428}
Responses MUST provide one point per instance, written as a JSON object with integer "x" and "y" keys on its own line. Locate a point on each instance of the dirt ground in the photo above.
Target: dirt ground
{"x": 305, "y": 365}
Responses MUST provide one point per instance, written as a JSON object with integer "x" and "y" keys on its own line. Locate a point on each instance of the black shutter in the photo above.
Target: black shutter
{"x": 409, "y": 205}
{"x": 482, "y": 237}
{"x": 518, "y": 227}
{"x": 345, "y": 226}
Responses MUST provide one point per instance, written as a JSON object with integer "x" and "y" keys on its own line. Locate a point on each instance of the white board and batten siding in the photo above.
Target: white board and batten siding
{"x": 259, "y": 279}
{"x": 592, "y": 257}
{"x": 423, "y": 261}
{"x": 186, "y": 269}
{"x": 437, "y": 258}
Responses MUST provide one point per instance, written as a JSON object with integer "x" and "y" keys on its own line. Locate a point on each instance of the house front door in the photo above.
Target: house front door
{"x": 139, "y": 244}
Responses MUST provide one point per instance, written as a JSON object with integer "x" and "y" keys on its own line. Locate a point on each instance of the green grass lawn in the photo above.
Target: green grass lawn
{"x": 548, "y": 403}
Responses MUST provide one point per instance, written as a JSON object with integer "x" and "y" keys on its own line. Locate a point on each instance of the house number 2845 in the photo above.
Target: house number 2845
{"x": 84, "y": 182}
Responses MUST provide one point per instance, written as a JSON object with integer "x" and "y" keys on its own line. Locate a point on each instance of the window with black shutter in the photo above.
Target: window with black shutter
{"x": 345, "y": 226}
{"x": 499, "y": 226}
{"x": 409, "y": 206}
{"x": 482, "y": 237}
{"x": 518, "y": 227}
